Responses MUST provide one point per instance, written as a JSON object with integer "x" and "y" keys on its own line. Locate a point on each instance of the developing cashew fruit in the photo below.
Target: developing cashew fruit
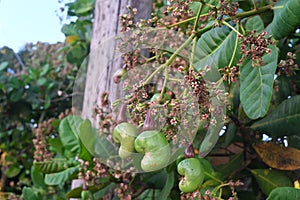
{"x": 156, "y": 98}
{"x": 192, "y": 173}
{"x": 125, "y": 134}
{"x": 156, "y": 149}
{"x": 86, "y": 195}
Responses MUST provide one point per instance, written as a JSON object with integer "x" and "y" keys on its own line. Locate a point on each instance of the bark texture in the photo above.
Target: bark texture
{"x": 104, "y": 60}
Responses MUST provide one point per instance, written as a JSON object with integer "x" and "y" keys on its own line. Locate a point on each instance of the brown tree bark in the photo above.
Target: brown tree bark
{"x": 103, "y": 61}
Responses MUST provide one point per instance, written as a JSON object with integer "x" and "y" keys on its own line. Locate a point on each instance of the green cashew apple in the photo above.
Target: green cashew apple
{"x": 156, "y": 98}
{"x": 156, "y": 149}
{"x": 192, "y": 172}
{"x": 86, "y": 195}
{"x": 125, "y": 134}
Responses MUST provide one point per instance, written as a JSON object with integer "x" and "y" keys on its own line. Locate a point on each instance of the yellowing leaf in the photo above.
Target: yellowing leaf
{"x": 268, "y": 179}
{"x": 296, "y": 184}
{"x": 72, "y": 39}
{"x": 278, "y": 157}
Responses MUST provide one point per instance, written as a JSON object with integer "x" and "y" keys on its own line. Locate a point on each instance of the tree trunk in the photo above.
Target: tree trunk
{"x": 103, "y": 62}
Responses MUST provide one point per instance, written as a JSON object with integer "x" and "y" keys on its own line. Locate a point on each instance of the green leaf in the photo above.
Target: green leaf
{"x": 85, "y": 154}
{"x": 101, "y": 193}
{"x": 268, "y": 180}
{"x": 257, "y": 85}
{"x": 230, "y": 134}
{"x": 60, "y": 177}
{"x": 286, "y": 19}
{"x": 284, "y": 88}
{"x": 3, "y": 66}
{"x": 37, "y": 178}
{"x": 29, "y": 194}
{"x": 168, "y": 186}
{"x": 53, "y": 166}
{"x": 68, "y": 133}
{"x": 17, "y": 95}
{"x": 150, "y": 194}
{"x": 207, "y": 167}
{"x": 217, "y": 48}
{"x": 284, "y": 193}
{"x": 255, "y": 23}
{"x": 211, "y": 137}
{"x": 12, "y": 171}
{"x": 47, "y": 102}
{"x": 55, "y": 145}
{"x": 284, "y": 120}
{"x": 97, "y": 145}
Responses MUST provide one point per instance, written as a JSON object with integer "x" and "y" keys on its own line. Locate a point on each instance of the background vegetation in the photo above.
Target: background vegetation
{"x": 41, "y": 153}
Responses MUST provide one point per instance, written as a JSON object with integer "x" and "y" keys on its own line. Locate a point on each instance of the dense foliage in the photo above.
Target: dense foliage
{"x": 37, "y": 87}
{"x": 251, "y": 48}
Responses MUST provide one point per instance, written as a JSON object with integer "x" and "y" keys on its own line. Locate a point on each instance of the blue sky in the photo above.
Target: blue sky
{"x": 23, "y": 21}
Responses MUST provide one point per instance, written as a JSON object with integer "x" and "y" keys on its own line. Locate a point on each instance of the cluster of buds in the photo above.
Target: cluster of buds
{"x": 127, "y": 20}
{"x": 255, "y": 46}
{"x": 91, "y": 171}
{"x": 195, "y": 80}
{"x": 180, "y": 8}
{"x": 197, "y": 195}
{"x": 42, "y": 152}
{"x": 288, "y": 66}
{"x": 103, "y": 114}
{"x": 228, "y": 8}
{"x": 123, "y": 192}
{"x": 230, "y": 74}
{"x": 42, "y": 132}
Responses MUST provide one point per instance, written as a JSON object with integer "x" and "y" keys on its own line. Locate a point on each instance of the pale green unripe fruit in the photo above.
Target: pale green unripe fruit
{"x": 156, "y": 149}
{"x": 193, "y": 173}
{"x": 125, "y": 134}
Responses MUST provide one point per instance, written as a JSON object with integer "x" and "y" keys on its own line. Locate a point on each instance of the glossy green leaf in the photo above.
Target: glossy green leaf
{"x": 286, "y": 19}
{"x": 257, "y": 85}
{"x": 12, "y": 171}
{"x": 268, "y": 180}
{"x": 294, "y": 141}
{"x": 101, "y": 193}
{"x": 37, "y": 178}
{"x": 284, "y": 120}
{"x": 60, "y": 177}
{"x": 207, "y": 167}
{"x": 284, "y": 193}
{"x": 255, "y": 23}
{"x": 55, "y": 145}
{"x": 211, "y": 137}
{"x": 3, "y": 66}
{"x": 53, "y": 166}
{"x": 285, "y": 88}
{"x": 168, "y": 186}
{"x": 47, "y": 102}
{"x": 97, "y": 145}
{"x": 216, "y": 48}
{"x": 29, "y": 194}
{"x": 68, "y": 133}
{"x": 150, "y": 194}
{"x": 230, "y": 134}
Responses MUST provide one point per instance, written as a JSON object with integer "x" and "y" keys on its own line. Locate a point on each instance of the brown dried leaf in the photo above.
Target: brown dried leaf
{"x": 278, "y": 156}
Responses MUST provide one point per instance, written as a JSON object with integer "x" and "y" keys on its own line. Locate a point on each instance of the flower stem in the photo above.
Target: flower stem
{"x": 231, "y": 27}
{"x": 171, "y": 59}
{"x": 198, "y": 16}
